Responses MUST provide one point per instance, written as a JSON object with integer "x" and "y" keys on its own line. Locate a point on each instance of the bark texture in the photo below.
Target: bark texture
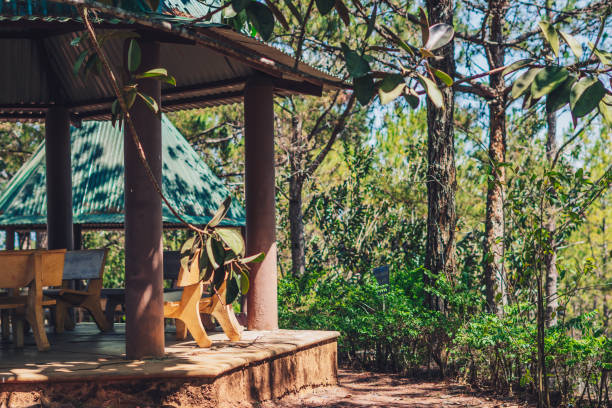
{"x": 441, "y": 177}
{"x": 550, "y": 258}
{"x": 494, "y": 273}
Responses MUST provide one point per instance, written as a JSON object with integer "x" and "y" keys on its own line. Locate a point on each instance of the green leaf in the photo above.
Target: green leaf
{"x": 325, "y": 6}
{"x": 433, "y": 92}
{"x": 204, "y": 264}
{"x": 371, "y": 22}
{"x": 153, "y": 73}
{"x": 424, "y": 24}
{"x": 515, "y": 66}
{"x": 604, "y": 56}
{"x": 585, "y": 96}
{"x": 187, "y": 246}
{"x": 364, "y": 89}
{"x": 523, "y": 83}
{"x": 387, "y": 97}
{"x": 254, "y": 258}
{"x": 391, "y": 81}
{"x": 231, "y": 291}
{"x": 356, "y": 65}
{"x": 219, "y": 277}
{"x": 547, "y": 80}
{"x": 605, "y": 108}
{"x": 215, "y": 252}
{"x": 413, "y": 100}
{"x": 443, "y": 76}
{"x": 239, "y": 5}
{"x": 150, "y": 102}
{"x": 573, "y": 44}
{"x": 220, "y": 213}
{"x": 79, "y": 62}
{"x": 550, "y": 34}
{"x": 560, "y": 96}
{"x": 130, "y": 98}
{"x": 439, "y": 35}
{"x": 262, "y": 19}
{"x": 134, "y": 56}
{"x": 233, "y": 239}
{"x": 244, "y": 282}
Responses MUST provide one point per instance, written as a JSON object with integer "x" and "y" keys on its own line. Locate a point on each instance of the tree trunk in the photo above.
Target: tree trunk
{"x": 441, "y": 181}
{"x": 550, "y": 258}
{"x": 296, "y": 225}
{"x": 494, "y": 273}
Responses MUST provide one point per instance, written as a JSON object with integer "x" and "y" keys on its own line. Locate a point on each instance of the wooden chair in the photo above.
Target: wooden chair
{"x": 34, "y": 270}
{"x": 186, "y": 306}
{"x": 116, "y": 296}
{"x": 81, "y": 265}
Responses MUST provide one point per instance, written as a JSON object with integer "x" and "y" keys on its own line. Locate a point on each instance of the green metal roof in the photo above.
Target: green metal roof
{"x": 98, "y": 183}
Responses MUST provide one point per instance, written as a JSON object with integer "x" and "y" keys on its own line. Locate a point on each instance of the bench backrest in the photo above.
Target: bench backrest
{"x": 17, "y": 267}
{"x": 172, "y": 265}
{"x": 84, "y": 264}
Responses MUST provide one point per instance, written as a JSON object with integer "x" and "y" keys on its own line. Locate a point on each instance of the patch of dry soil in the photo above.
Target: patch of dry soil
{"x": 365, "y": 389}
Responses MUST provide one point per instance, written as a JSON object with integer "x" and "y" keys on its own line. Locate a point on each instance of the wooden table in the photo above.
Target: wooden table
{"x": 34, "y": 270}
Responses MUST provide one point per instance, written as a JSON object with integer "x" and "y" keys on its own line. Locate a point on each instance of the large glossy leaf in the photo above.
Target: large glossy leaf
{"x": 432, "y": 90}
{"x": 523, "y": 83}
{"x": 220, "y": 213}
{"x": 233, "y": 239}
{"x": 134, "y": 56}
{"x": 605, "y": 108}
{"x": 325, "y": 6}
{"x": 585, "y": 96}
{"x": 550, "y": 34}
{"x": 443, "y": 76}
{"x": 79, "y": 62}
{"x": 573, "y": 44}
{"x": 244, "y": 282}
{"x": 219, "y": 277}
{"x": 364, "y": 89}
{"x": 216, "y": 252}
{"x": 150, "y": 102}
{"x": 356, "y": 65}
{"x": 424, "y": 24}
{"x": 187, "y": 246}
{"x": 439, "y": 35}
{"x": 515, "y": 66}
{"x": 254, "y": 258}
{"x": 204, "y": 265}
{"x": 239, "y": 5}
{"x": 231, "y": 291}
{"x": 547, "y": 80}
{"x": 262, "y": 18}
{"x": 391, "y": 87}
{"x": 560, "y": 96}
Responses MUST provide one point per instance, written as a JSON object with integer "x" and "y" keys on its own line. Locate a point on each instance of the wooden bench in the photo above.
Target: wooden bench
{"x": 84, "y": 265}
{"x": 188, "y": 308}
{"x": 34, "y": 270}
{"x": 116, "y": 296}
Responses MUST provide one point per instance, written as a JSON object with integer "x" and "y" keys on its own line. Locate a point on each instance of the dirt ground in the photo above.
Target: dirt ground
{"x": 363, "y": 389}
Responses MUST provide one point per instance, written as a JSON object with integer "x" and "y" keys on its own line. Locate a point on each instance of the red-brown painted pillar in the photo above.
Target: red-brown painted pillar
{"x": 59, "y": 178}
{"x": 262, "y": 305}
{"x": 144, "y": 296}
{"x": 9, "y": 241}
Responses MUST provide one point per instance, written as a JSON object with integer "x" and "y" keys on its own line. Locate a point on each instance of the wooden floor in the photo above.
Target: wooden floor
{"x": 86, "y": 354}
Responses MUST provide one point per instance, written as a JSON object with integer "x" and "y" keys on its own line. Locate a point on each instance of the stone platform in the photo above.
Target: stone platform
{"x": 88, "y": 368}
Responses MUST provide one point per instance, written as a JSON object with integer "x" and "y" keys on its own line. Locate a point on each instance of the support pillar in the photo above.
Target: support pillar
{"x": 260, "y": 202}
{"x": 9, "y": 241}
{"x": 144, "y": 297}
{"x": 59, "y": 178}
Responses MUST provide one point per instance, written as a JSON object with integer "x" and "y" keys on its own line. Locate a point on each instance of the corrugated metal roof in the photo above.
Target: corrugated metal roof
{"x": 211, "y": 63}
{"x": 97, "y": 179}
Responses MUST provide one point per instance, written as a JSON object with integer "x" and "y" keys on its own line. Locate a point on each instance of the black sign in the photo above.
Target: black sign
{"x": 382, "y": 274}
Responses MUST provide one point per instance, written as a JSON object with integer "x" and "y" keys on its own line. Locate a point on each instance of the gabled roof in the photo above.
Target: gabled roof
{"x": 211, "y": 62}
{"x": 98, "y": 182}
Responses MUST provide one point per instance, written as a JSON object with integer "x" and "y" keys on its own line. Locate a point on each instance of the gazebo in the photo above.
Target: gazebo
{"x": 97, "y": 184}
{"x": 213, "y": 65}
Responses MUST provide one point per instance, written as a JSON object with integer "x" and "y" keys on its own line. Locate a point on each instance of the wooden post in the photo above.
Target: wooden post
{"x": 144, "y": 296}
{"x": 59, "y": 178}
{"x": 9, "y": 241}
{"x": 260, "y": 202}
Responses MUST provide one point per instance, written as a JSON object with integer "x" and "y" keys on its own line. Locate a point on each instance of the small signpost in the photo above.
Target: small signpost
{"x": 382, "y": 274}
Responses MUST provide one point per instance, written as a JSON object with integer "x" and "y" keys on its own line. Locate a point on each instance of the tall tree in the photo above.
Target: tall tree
{"x": 441, "y": 173}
